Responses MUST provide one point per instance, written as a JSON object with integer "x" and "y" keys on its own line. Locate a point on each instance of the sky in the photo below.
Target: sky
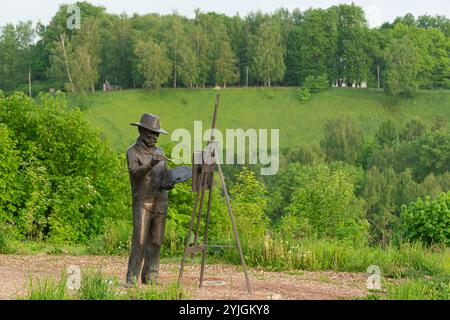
{"x": 377, "y": 11}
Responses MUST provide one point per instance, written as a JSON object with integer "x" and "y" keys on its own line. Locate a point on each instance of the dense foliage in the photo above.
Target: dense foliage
{"x": 283, "y": 48}
{"x": 59, "y": 178}
{"x": 427, "y": 220}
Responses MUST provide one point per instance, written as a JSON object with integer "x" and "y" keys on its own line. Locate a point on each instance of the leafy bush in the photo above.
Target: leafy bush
{"x": 431, "y": 154}
{"x": 343, "y": 141}
{"x": 414, "y": 129}
{"x": 427, "y": 220}
{"x": 9, "y": 174}
{"x": 249, "y": 201}
{"x": 387, "y": 133}
{"x": 316, "y": 84}
{"x": 325, "y": 206}
{"x": 304, "y": 94}
{"x": 115, "y": 240}
{"x": 61, "y": 178}
{"x": 305, "y": 154}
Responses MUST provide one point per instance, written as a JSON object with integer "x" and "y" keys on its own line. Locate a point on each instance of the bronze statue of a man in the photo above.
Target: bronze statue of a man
{"x": 148, "y": 177}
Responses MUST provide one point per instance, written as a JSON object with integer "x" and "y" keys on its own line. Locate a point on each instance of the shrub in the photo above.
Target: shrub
{"x": 304, "y": 94}
{"x": 413, "y": 129}
{"x": 249, "y": 201}
{"x": 431, "y": 154}
{"x": 115, "y": 240}
{"x": 387, "y": 134}
{"x": 327, "y": 205}
{"x": 9, "y": 174}
{"x": 343, "y": 141}
{"x": 316, "y": 84}
{"x": 62, "y": 179}
{"x": 427, "y": 221}
{"x": 305, "y": 154}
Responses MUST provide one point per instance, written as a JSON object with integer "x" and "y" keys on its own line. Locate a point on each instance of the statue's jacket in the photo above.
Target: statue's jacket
{"x": 146, "y": 187}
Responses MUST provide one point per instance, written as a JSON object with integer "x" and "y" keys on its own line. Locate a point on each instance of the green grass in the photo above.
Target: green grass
{"x": 407, "y": 260}
{"x": 299, "y": 123}
{"x": 420, "y": 289}
{"x": 5, "y": 243}
{"x": 116, "y": 240}
{"x": 97, "y": 286}
{"x": 25, "y": 247}
{"x": 47, "y": 289}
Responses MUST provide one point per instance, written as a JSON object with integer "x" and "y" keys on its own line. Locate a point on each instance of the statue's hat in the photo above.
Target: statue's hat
{"x": 150, "y": 122}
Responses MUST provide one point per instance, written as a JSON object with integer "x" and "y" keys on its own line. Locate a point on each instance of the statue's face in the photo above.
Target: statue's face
{"x": 149, "y": 137}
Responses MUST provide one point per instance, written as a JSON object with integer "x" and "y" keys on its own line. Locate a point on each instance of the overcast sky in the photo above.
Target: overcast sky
{"x": 377, "y": 11}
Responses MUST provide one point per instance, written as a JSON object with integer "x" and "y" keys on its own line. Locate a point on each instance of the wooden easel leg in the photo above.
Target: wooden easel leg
{"x": 188, "y": 237}
{"x": 205, "y": 238}
{"x": 236, "y": 235}
{"x": 199, "y": 218}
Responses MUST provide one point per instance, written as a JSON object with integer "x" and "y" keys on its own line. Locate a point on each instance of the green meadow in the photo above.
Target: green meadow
{"x": 266, "y": 108}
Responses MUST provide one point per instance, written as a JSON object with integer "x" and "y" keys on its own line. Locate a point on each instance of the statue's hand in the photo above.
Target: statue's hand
{"x": 154, "y": 161}
{"x": 170, "y": 186}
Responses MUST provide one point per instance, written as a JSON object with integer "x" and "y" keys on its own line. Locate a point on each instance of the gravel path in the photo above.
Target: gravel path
{"x": 222, "y": 281}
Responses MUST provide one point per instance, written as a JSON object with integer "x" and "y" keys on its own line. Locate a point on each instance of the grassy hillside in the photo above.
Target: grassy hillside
{"x": 299, "y": 123}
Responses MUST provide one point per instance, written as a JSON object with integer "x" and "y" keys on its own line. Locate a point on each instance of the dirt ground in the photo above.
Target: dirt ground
{"x": 221, "y": 281}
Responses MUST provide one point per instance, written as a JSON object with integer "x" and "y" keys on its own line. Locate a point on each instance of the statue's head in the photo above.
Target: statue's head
{"x": 149, "y": 129}
{"x": 149, "y": 137}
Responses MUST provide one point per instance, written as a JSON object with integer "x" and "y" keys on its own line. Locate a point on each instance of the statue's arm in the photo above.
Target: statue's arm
{"x": 135, "y": 168}
{"x": 166, "y": 167}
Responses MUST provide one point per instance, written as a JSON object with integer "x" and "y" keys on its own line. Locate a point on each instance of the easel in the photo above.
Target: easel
{"x": 202, "y": 180}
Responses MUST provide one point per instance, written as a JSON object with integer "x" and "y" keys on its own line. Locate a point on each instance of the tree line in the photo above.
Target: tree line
{"x": 281, "y": 48}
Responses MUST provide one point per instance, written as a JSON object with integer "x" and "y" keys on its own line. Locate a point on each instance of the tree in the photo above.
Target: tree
{"x": 375, "y": 44}
{"x": 352, "y": 58}
{"x": 311, "y": 50}
{"x": 343, "y": 141}
{"x": 439, "y": 22}
{"x": 202, "y": 50}
{"x": 431, "y": 154}
{"x": 180, "y": 53}
{"x": 429, "y": 54}
{"x": 15, "y": 53}
{"x": 250, "y": 201}
{"x": 86, "y": 57}
{"x": 327, "y": 207}
{"x": 153, "y": 63}
{"x": 60, "y": 66}
{"x": 239, "y": 32}
{"x": 225, "y": 70}
{"x": 378, "y": 189}
{"x": 77, "y": 59}
{"x": 117, "y": 43}
{"x": 223, "y": 59}
{"x": 413, "y": 129}
{"x": 402, "y": 67}
{"x": 387, "y": 134}
{"x": 268, "y": 54}
{"x": 293, "y": 57}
